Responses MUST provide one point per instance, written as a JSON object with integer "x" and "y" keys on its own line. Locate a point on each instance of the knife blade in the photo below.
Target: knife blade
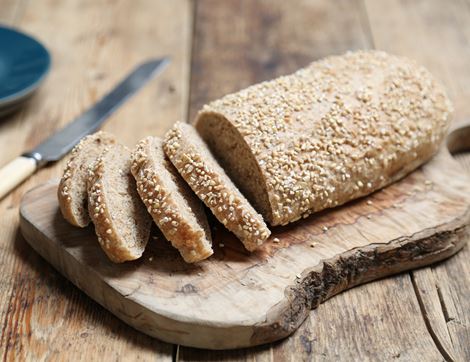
{"x": 60, "y": 143}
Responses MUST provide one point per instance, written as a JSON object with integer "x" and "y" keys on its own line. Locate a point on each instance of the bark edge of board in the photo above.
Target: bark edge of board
{"x": 359, "y": 266}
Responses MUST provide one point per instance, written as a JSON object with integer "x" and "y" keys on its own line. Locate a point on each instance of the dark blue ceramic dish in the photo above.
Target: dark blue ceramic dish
{"x": 24, "y": 63}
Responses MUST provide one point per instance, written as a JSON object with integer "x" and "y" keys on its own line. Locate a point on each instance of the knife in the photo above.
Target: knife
{"x": 59, "y": 144}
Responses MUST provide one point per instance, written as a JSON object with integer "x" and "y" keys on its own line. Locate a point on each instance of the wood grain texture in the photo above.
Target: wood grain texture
{"x": 378, "y": 321}
{"x": 93, "y": 45}
{"x": 10, "y": 11}
{"x": 417, "y": 221}
{"x": 239, "y": 43}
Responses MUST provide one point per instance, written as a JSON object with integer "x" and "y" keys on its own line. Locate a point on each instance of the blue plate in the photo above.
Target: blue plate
{"x": 24, "y": 63}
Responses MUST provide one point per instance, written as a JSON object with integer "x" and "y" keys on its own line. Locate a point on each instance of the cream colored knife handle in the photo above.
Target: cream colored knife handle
{"x": 15, "y": 172}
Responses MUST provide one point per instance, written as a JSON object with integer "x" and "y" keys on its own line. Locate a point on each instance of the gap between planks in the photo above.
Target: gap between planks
{"x": 193, "y": 5}
{"x": 439, "y": 344}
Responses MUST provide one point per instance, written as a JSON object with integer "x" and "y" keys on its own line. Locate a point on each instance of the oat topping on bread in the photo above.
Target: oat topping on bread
{"x": 174, "y": 207}
{"x": 197, "y": 166}
{"x": 72, "y": 193}
{"x": 121, "y": 221}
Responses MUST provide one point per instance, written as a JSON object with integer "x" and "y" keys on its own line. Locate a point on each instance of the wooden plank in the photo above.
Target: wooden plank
{"x": 443, "y": 292}
{"x": 369, "y": 324}
{"x": 239, "y": 43}
{"x": 377, "y": 321}
{"x": 452, "y": 283}
{"x": 436, "y": 36}
{"x": 431, "y": 308}
{"x": 10, "y": 11}
{"x": 93, "y": 45}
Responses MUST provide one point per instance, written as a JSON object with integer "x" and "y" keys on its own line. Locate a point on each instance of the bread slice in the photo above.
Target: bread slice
{"x": 122, "y": 223}
{"x": 339, "y": 129}
{"x": 72, "y": 191}
{"x": 174, "y": 207}
{"x": 193, "y": 160}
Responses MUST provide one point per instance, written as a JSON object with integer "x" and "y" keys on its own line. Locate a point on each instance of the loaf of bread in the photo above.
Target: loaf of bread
{"x": 121, "y": 221}
{"x": 334, "y": 131}
{"x": 200, "y": 170}
{"x": 72, "y": 191}
{"x": 174, "y": 207}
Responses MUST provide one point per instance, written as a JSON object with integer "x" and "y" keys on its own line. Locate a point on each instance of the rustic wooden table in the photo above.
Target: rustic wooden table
{"x": 217, "y": 47}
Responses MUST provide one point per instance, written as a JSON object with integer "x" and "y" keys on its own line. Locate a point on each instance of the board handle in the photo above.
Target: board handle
{"x": 458, "y": 139}
{"x": 15, "y": 172}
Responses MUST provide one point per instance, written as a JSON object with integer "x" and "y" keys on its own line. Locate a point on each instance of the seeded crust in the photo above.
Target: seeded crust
{"x": 191, "y": 157}
{"x": 175, "y": 209}
{"x": 72, "y": 192}
{"x": 122, "y": 223}
{"x": 334, "y": 131}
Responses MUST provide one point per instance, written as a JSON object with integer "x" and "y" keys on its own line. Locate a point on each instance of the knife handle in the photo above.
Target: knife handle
{"x": 15, "y": 172}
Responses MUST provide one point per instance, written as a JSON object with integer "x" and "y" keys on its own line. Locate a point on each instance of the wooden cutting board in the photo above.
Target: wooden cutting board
{"x": 236, "y": 299}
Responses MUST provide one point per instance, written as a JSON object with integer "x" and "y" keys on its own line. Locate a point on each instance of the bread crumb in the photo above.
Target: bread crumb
{"x": 221, "y": 245}
{"x": 325, "y": 228}
{"x": 298, "y": 276}
{"x": 369, "y": 202}
{"x": 276, "y": 240}
{"x": 151, "y": 258}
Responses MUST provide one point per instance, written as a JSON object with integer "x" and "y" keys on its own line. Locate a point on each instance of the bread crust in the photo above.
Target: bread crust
{"x": 339, "y": 129}
{"x": 71, "y": 193}
{"x": 207, "y": 179}
{"x": 187, "y": 229}
{"x": 111, "y": 236}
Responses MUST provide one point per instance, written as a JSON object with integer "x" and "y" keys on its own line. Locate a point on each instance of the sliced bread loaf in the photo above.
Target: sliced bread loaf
{"x": 122, "y": 223}
{"x": 193, "y": 160}
{"x": 72, "y": 191}
{"x": 334, "y": 131}
{"x": 174, "y": 207}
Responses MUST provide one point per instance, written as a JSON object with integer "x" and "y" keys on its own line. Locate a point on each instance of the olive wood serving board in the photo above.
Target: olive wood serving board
{"x": 236, "y": 299}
